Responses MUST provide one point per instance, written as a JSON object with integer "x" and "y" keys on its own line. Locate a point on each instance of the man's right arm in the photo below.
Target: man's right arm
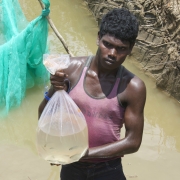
{"x": 58, "y": 80}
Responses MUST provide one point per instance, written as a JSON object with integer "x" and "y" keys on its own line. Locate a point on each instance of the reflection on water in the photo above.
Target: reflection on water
{"x": 159, "y": 155}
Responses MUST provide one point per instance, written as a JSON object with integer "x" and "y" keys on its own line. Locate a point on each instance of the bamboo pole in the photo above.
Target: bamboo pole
{"x": 57, "y": 32}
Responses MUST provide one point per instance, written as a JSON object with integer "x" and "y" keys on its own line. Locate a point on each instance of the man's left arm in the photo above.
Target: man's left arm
{"x": 134, "y": 115}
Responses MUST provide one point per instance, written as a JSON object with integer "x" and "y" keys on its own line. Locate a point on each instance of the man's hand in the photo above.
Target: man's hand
{"x": 58, "y": 81}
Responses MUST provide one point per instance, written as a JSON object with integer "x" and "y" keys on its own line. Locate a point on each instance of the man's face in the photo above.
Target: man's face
{"x": 112, "y": 51}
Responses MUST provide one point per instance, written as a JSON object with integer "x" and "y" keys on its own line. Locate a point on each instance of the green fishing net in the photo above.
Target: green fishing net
{"x": 22, "y": 45}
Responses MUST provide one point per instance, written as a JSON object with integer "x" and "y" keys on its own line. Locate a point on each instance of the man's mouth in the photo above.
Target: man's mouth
{"x": 110, "y": 61}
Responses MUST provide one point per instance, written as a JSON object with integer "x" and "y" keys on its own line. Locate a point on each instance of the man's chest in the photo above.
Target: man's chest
{"x": 98, "y": 87}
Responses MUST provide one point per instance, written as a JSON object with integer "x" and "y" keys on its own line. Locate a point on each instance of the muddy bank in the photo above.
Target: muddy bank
{"x": 158, "y": 43}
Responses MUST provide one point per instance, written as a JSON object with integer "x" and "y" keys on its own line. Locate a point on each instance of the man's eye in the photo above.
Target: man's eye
{"x": 107, "y": 44}
{"x": 121, "y": 49}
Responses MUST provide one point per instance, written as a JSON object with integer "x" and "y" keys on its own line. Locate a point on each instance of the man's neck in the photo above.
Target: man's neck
{"x": 101, "y": 71}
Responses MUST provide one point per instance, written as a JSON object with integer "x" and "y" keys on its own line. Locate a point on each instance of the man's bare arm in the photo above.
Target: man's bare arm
{"x": 57, "y": 81}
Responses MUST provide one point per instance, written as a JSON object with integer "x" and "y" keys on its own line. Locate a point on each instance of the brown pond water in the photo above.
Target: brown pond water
{"x": 159, "y": 155}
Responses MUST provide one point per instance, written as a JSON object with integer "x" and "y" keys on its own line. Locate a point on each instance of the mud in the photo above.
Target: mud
{"x": 157, "y": 48}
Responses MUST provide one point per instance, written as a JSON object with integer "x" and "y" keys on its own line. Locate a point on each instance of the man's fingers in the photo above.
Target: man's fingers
{"x": 57, "y": 83}
{"x": 58, "y": 87}
{"x": 57, "y": 80}
{"x": 60, "y": 74}
{"x": 58, "y": 77}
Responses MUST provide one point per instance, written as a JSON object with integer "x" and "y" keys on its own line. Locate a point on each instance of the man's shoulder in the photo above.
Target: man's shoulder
{"x": 132, "y": 87}
{"x": 75, "y": 68}
{"x": 133, "y": 80}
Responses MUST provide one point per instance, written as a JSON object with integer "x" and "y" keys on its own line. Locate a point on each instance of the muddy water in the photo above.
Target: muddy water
{"x": 159, "y": 155}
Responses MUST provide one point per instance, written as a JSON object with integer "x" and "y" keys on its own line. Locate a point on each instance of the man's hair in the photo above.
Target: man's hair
{"x": 121, "y": 24}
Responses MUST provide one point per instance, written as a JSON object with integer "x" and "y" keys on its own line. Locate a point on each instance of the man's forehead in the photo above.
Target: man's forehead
{"x": 112, "y": 38}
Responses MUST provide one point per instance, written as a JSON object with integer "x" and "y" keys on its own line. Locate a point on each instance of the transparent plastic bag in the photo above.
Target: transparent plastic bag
{"x": 54, "y": 62}
{"x": 62, "y": 135}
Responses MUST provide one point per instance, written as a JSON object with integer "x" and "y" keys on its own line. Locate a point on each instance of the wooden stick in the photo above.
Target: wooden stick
{"x": 56, "y": 31}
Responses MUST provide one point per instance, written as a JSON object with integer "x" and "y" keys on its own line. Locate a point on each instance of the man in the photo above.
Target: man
{"x": 109, "y": 96}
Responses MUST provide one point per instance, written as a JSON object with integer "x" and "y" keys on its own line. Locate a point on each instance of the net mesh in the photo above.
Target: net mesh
{"x": 22, "y": 45}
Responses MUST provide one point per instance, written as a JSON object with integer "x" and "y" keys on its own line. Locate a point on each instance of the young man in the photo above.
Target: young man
{"x": 109, "y": 96}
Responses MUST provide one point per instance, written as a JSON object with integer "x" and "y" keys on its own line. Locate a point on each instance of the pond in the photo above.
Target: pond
{"x": 159, "y": 155}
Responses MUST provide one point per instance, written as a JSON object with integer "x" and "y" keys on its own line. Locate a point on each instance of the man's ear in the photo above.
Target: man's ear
{"x": 131, "y": 47}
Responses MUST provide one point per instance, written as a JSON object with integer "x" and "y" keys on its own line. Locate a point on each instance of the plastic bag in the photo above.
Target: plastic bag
{"x": 54, "y": 62}
{"x": 62, "y": 135}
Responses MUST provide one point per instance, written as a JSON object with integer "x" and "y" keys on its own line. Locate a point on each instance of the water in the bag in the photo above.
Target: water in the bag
{"x": 62, "y": 149}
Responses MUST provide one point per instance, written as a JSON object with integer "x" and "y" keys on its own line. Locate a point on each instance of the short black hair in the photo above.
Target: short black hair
{"x": 120, "y": 23}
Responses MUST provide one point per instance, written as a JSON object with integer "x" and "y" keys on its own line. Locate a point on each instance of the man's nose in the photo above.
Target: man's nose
{"x": 112, "y": 52}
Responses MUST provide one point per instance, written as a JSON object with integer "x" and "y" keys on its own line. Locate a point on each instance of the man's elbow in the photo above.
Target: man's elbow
{"x": 135, "y": 146}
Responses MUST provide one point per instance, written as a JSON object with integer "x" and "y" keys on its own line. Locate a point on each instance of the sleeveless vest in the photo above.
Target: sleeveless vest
{"x": 104, "y": 115}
